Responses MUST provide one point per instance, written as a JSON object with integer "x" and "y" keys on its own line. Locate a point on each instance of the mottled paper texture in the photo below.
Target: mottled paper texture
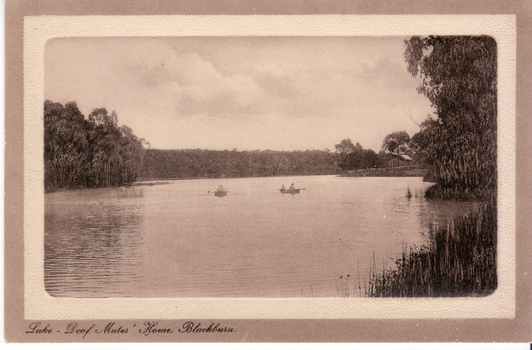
{"x": 503, "y": 316}
{"x": 38, "y": 30}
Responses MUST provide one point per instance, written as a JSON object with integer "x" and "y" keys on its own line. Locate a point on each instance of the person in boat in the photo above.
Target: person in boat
{"x": 282, "y": 188}
{"x": 221, "y": 189}
{"x": 291, "y": 187}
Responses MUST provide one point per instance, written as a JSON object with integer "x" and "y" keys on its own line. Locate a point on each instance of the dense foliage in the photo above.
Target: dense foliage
{"x": 352, "y": 157}
{"x": 396, "y": 143}
{"x": 95, "y": 152}
{"x": 87, "y": 152}
{"x": 459, "y": 77}
{"x": 421, "y": 141}
{"x": 196, "y": 163}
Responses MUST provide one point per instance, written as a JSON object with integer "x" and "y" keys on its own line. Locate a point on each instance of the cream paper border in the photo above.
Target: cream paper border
{"x": 38, "y": 304}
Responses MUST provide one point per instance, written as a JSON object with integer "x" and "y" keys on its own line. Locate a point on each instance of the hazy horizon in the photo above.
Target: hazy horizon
{"x": 248, "y": 93}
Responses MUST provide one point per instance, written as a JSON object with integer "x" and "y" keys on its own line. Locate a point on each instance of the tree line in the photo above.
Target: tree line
{"x": 93, "y": 151}
{"x": 395, "y": 151}
{"x": 198, "y": 163}
{"x": 88, "y": 152}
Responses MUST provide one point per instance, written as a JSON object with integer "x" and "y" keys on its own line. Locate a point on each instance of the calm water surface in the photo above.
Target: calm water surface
{"x": 179, "y": 240}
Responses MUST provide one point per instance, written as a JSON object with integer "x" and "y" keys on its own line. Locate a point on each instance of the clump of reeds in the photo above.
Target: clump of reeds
{"x": 346, "y": 287}
{"x": 459, "y": 261}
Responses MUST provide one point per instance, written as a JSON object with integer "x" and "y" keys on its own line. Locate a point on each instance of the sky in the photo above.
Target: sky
{"x": 248, "y": 93}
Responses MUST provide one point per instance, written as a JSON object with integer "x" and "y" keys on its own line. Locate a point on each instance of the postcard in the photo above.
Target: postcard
{"x": 222, "y": 177}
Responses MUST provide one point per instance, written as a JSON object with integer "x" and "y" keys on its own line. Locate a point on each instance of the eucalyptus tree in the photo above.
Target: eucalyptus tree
{"x": 88, "y": 152}
{"x": 66, "y": 148}
{"x": 459, "y": 77}
{"x": 396, "y": 143}
{"x": 343, "y": 152}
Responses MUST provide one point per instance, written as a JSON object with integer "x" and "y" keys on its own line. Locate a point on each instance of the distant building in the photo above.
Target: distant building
{"x": 401, "y": 160}
{"x": 407, "y": 158}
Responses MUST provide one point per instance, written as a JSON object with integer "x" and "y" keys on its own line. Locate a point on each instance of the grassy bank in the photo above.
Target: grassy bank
{"x": 459, "y": 261}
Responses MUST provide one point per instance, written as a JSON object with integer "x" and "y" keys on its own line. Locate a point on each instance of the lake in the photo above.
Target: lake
{"x": 179, "y": 240}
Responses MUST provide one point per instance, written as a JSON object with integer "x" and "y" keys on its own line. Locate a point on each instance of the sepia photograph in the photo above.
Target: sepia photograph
{"x": 250, "y": 178}
{"x": 301, "y": 167}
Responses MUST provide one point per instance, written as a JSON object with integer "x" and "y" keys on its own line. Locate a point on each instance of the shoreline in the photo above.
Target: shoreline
{"x": 458, "y": 261}
{"x": 167, "y": 181}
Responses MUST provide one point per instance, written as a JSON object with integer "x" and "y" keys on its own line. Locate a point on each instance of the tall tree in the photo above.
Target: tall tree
{"x": 343, "y": 150}
{"x": 396, "y": 143}
{"x": 459, "y": 77}
{"x": 345, "y": 146}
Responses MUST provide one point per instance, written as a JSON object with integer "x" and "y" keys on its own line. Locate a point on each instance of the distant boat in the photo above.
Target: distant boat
{"x": 220, "y": 193}
{"x": 290, "y": 190}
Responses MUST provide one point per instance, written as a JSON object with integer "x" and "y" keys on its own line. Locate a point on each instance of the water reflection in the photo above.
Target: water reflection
{"x": 177, "y": 240}
{"x": 92, "y": 240}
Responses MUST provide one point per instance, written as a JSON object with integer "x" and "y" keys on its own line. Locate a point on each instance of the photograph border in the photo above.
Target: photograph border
{"x": 274, "y": 312}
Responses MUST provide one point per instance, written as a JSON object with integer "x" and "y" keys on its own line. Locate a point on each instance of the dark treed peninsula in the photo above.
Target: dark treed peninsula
{"x": 88, "y": 152}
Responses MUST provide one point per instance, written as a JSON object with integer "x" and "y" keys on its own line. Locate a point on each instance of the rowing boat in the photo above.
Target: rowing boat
{"x": 220, "y": 193}
{"x": 290, "y": 190}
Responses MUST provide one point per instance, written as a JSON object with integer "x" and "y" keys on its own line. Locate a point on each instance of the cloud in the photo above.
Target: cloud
{"x": 196, "y": 87}
{"x": 295, "y": 91}
{"x": 327, "y": 91}
{"x": 324, "y": 90}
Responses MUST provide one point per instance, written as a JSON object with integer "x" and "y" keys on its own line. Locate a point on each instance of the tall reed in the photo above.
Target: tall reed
{"x": 459, "y": 261}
